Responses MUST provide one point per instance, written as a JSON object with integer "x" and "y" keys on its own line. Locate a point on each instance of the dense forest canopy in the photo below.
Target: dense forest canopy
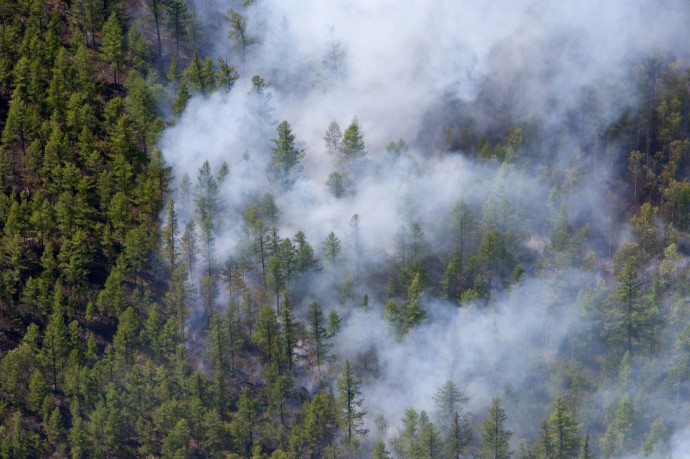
{"x": 344, "y": 229}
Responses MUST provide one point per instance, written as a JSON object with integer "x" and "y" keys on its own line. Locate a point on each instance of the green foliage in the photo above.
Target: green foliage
{"x": 333, "y": 138}
{"x": 115, "y": 338}
{"x": 585, "y": 449}
{"x": 630, "y": 317}
{"x": 286, "y": 158}
{"x": 112, "y": 46}
{"x": 352, "y": 145}
{"x": 318, "y": 335}
{"x": 407, "y": 434}
{"x": 336, "y": 183}
{"x": 350, "y": 407}
{"x": 239, "y": 33}
{"x": 412, "y": 312}
{"x": 267, "y": 335}
{"x": 331, "y": 248}
{"x": 495, "y": 437}
{"x": 657, "y": 440}
{"x": 616, "y": 438}
{"x": 563, "y": 430}
{"x": 180, "y": 21}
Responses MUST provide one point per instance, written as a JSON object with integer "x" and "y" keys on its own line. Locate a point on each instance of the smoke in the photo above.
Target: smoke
{"x": 485, "y": 351}
{"x": 562, "y": 71}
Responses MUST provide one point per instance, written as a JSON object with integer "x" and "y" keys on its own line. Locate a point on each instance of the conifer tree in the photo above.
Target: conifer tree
{"x": 179, "y": 20}
{"x": 412, "y": 312}
{"x": 112, "y": 46}
{"x": 563, "y": 430}
{"x": 331, "y": 248}
{"x": 239, "y": 32}
{"x": 55, "y": 346}
{"x": 352, "y": 146}
{"x": 333, "y": 138}
{"x": 585, "y": 450}
{"x": 318, "y": 335}
{"x": 495, "y": 437}
{"x": 350, "y": 402}
{"x": 657, "y": 440}
{"x": 453, "y": 424}
{"x": 286, "y": 158}
{"x": 617, "y": 434}
{"x": 170, "y": 231}
{"x": 289, "y": 330}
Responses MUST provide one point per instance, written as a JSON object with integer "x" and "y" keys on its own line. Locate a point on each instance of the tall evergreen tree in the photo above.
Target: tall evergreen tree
{"x": 55, "y": 346}
{"x": 585, "y": 449}
{"x": 112, "y": 45}
{"x": 180, "y": 20}
{"x": 239, "y": 32}
{"x": 333, "y": 138}
{"x": 563, "y": 430}
{"x": 495, "y": 437}
{"x": 630, "y": 318}
{"x": 287, "y": 156}
{"x": 318, "y": 335}
{"x": 350, "y": 402}
{"x": 331, "y": 248}
{"x": 352, "y": 146}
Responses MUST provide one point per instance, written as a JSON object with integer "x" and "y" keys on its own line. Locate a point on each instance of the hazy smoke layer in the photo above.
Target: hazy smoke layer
{"x": 412, "y": 70}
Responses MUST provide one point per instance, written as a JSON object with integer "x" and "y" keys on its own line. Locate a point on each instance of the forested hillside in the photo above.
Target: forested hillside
{"x": 358, "y": 229}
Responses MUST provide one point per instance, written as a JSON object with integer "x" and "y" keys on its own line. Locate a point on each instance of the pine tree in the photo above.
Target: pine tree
{"x": 459, "y": 436}
{"x": 453, "y": 424}
{"x": 331, "y": 248}
{"x": 428, "y": 444}
{"x": 451, "y": 277}
{"x": 207, "y": 210}
{"x": 585, "y": 450}
{"x": 412, "y": 312}
{"x": 246, "y": 419}
{"x": 495, "y": 437}
{"x": 55, "y": 346}
{"x": 305, "y": 260}
{"x": 379, "y": 451}
{"x": 337, "y": 184}
{"x": 407, "y": 435}
{"x": 350, "y": 402}
{"x": 179, "y": 20}
{"x": 188, "y": 243}
{"x": 544, "y": 446}
{"x": 449, "y": 400}
{"x": 318, "y": 335}
{"x": 286, "y": 158}
{"x": 112, "y": 46}
{"x": 657, "y": 440}
{"x": 239, "y": 32}
{"x": 563, "y": 430}
{"x": 353, "y": 142}
{"x": 37, "y": 390}
{"x": 617, "y": 434}
{"x": 54, "y": 428}
{"x": 170, "y": 231}
{"x": 333, "y": 138}
{"x": 334, "y": 323}
{"x": 156, "y": 9}
{"x": 630, "y": 318}
{"x": 267, "y": 335}
{"x": 226, "y": 75}
{"x": 289, "y": 329}
{"x": 217, "y": 343}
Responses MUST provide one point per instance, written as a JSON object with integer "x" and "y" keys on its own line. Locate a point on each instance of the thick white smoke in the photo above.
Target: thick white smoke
{"x": 406, "y": 69}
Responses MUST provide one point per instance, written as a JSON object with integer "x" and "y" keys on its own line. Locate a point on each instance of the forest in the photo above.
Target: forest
{"x": 349, "y": 229}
